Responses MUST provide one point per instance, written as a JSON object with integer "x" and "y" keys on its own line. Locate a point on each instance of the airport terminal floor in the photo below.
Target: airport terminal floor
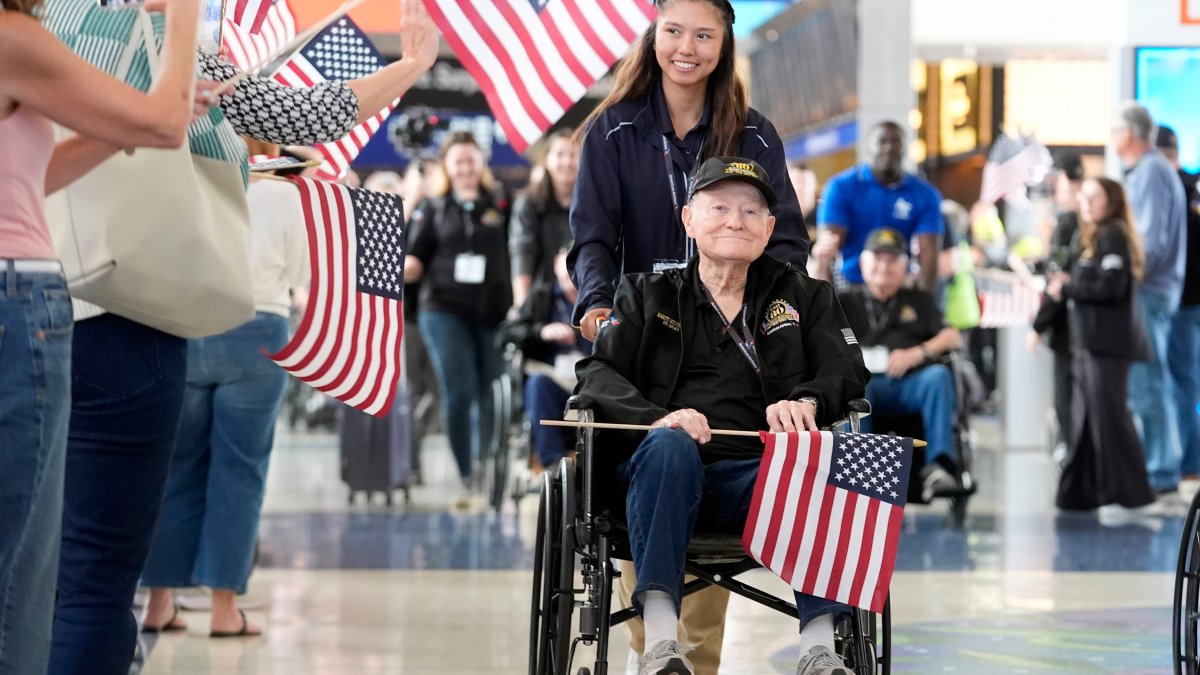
{"x": 420, "y": 589}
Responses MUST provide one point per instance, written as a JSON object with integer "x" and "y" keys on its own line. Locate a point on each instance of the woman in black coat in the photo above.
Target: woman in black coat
{"x": 1105, "y": 466}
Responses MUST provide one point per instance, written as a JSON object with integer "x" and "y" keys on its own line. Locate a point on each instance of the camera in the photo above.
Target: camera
{"x": 1060, "y": 257}
{"x": 413, "y": 133}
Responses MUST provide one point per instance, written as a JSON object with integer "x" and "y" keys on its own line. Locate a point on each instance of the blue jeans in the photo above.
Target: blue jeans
{"x": 544, "y": 399}
{"x": 209, "y": 522}
{"x": 35, "y": 404}
{"x": 670, "y": 494}
{"x": 928, "y": 392}
{"x": 1151, "y": 394}
{"x": 1183, "y": 353}
{"x": 127, "y": 390}
{"x": 466, "y": 360}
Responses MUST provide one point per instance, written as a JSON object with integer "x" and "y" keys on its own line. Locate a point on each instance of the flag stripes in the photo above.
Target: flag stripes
{"x": 347, "y": 344}
{"x": 533, "y": 64}
{"x": 819, "y": 535}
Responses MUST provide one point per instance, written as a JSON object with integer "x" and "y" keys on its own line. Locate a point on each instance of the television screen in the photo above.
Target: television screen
{"x": 1167, "y": 79}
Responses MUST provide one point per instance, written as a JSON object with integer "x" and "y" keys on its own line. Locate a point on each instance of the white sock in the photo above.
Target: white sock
{"x": 658, "y": 613}
{"x": 819, "y": 631}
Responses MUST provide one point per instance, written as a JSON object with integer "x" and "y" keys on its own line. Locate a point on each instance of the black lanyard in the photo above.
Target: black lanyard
{"x": 880, "y": 319}
{"x": 745, "y": 341}
{"x": 689, "y": 244}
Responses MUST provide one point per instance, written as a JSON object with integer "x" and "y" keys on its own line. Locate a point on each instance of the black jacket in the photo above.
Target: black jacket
{"x": 622, "y": 215}
{"x": 535, "y": 236}
{"x": 634, "y": 371}
{"x": 1051, "y": 318}
{"x": 525, "y": 330}
{"x": 1102, "y": 306}
{"x": 440, "y": 229}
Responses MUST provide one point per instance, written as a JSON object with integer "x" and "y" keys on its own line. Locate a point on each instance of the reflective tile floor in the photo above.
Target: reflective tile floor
{"x": 420, "y": 589}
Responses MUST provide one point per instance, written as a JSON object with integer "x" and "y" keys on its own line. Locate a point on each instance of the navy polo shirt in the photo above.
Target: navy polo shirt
{"x": 856, "y": 201}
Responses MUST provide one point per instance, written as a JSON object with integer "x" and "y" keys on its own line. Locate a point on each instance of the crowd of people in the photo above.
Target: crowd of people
{"x": 658, "y": 262}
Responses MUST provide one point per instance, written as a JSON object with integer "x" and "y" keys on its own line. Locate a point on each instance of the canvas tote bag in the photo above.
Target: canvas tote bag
{"x": 160, "y": 237}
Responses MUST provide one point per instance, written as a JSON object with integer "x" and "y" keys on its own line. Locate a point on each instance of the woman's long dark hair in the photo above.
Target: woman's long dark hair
{"x": 1120, "y": 216}
{"x": 639, "y": 73}
{"x": 541, "y": 190}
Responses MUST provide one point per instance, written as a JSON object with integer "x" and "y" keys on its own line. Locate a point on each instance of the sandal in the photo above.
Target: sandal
{"x": 244, "y": 631}
{"x": 170, "y": 626}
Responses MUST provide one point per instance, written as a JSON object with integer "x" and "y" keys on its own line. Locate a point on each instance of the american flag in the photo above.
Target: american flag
{"x": 340, "y": 52}
{"x": 1012, "y": 165}
{"x": 534, "y": 59}
{"x": 348, "y": 343}
{"x": 826, "y": 513}
{"x": 1005, "y": 299}
{"x": 247, "y": 47}
{"x": 249, "y": 14}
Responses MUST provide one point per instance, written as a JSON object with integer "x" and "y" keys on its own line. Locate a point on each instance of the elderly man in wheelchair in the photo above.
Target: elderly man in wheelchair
{"x": 904, "y": 337}
{"x": 736, "y": 340}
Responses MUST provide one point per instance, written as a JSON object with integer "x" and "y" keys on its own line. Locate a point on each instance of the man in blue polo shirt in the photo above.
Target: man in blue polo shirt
{"x": 867, "y": 197}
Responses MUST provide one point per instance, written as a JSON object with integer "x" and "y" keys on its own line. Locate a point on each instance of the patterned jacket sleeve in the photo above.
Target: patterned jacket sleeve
{"x": 262, "y": 108}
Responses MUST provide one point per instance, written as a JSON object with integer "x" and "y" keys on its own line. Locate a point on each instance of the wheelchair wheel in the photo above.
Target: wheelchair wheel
{"x": 865, "y": 641}
{"x": 550, "y": 637}
{"x": 1185, "y": 613}
{"x": 499, "y": 461}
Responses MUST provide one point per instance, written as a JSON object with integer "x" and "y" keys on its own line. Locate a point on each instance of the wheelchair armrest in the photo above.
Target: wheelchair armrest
{"x": 859, "y": 405}
{"x": 576, "y": 404}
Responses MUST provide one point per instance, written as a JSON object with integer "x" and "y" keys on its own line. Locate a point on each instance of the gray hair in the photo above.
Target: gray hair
{"x": 383, "y": 181}
{"x": 1138, "y": 121}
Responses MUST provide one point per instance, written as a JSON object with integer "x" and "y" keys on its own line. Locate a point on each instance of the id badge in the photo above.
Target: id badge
{"x": 469, "y": 268}
{"x": 875, "y": 359}
{"x": 664, "y": 265}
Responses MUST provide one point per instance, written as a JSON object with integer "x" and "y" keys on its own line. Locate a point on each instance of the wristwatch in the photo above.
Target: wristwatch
{"x": 926, "y": 351}
{"x": 811, "y": 399}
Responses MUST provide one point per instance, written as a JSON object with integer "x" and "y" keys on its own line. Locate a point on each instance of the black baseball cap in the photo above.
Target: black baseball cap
{"x": 1165, "y": 138}
{"x": 885, "y": 240}
{"x": 717, "y": 169}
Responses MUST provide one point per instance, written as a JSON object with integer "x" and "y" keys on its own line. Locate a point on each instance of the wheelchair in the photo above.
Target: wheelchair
{"x": 910, "y": 425}
{"x": 572, "y": 524}
{"x": 506, "y": 465}
{"x": 1185, "y": 615}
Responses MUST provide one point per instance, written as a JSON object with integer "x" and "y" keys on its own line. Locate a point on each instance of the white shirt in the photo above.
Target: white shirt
{"x": 278, "y": 244}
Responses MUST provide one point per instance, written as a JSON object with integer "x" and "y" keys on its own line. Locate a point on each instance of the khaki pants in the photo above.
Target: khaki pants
{"x": 701, "y": 621}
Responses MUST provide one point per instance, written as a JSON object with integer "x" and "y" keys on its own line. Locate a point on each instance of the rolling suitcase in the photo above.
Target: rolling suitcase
{"x": 376, "y": 452}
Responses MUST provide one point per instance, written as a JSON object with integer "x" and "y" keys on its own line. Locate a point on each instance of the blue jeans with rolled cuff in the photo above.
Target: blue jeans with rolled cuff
{"x": 209, "y": 522}
{"x": 1152, "y": 394}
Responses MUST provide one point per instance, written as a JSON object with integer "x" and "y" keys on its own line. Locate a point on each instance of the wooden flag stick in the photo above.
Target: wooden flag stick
{"x": 296, "y": 42}
{"x": 917, "y": 443}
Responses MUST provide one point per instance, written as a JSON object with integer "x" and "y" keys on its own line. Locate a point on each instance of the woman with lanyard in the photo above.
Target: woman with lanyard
{"x": 458, "y": 250}
{"x": 675, "y": 99}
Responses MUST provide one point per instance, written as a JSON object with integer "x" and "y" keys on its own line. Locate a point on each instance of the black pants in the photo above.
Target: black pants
{"x": 1105, "y": 463}
{"x": 1063, "y": 391}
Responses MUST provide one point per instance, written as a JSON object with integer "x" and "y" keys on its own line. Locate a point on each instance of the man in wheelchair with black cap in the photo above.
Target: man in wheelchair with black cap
{"x": 736, "y": 340}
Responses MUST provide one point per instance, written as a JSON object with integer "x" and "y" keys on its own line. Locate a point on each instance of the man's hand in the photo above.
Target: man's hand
{"x": 418, "y": 33}
{"x": 900, "y": 361}
{"x": 558, "y": 332}
{"x": 792, "y": 416}
{"x": 691, "y": 421}
{"x": 590, "y": 325}
{"x": 826, "y": 247}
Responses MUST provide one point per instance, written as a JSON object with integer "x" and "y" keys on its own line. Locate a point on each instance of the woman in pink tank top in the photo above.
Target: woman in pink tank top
{"x": 42, "y": 82}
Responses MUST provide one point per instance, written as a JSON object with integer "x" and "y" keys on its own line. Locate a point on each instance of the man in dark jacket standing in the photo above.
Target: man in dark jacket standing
{"x": 735, "y": 340}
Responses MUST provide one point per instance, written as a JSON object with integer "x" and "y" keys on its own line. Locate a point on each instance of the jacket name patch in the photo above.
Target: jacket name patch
{"x": 670, "y": 323}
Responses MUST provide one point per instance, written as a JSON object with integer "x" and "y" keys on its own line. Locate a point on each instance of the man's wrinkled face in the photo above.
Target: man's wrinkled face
{"x": 730, "y": 222}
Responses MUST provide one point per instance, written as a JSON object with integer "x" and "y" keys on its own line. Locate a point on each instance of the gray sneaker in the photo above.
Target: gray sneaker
{"x": 936, "y": 481}
{"x": 665, "y": 658}
{"x": 821, "y": 660}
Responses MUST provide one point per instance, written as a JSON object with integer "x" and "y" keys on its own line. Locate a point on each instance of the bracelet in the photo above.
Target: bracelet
{"x": 925, "y": 350}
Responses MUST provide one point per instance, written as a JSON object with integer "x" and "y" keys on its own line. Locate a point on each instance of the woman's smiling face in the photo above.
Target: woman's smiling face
{"x": 688, "y": 41}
